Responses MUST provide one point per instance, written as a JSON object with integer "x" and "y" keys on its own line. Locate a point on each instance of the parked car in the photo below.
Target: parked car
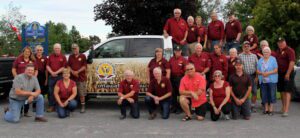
{"x": 112, "y": 57}
{"x": 6, "y": 76}
{"x": 296, "y": 93}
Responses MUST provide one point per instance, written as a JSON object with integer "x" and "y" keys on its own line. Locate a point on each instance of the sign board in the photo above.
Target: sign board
{"x": 34, "y": 34}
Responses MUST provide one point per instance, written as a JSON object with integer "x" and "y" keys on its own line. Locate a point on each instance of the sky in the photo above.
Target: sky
{"x": 70, "y": 12}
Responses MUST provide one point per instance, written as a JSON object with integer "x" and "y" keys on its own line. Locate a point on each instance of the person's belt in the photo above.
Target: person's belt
{"x": 15, "y": 99}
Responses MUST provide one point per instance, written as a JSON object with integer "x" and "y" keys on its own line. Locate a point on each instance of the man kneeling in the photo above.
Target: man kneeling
{"x": 192, "y": 88}
{"x": 128, "y": 95}
{"x": 159, "y": 93}
{"x": 21, "y": 93}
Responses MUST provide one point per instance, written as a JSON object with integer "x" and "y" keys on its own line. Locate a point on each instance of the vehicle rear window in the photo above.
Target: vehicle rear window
{"x": 144, "y": 47}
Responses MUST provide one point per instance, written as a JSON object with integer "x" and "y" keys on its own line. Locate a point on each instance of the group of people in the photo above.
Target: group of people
{"x": 193, "y": 85}
{"x": 211, "y": 80}
{"x": 36, "y": 77}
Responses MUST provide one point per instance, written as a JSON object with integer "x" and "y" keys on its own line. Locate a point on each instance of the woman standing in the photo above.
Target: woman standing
{"x": 65, "y": 92}
{"x": 219, "y": 97}
{"x": 252, "y": 39}
{"x": 19, "y": 65}
{"x": 267, "y": 69}
{"x": 233, "y": 56}
{"x": 202, "y": 35}
{"x": 159, "y": 61}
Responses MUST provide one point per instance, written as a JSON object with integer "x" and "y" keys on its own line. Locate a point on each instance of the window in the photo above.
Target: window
{"x": 144, "y": 47}
{"x": 112, "y": 49}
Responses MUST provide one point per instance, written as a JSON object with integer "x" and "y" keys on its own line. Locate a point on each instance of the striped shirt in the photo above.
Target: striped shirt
{"x": 250, "y": 62}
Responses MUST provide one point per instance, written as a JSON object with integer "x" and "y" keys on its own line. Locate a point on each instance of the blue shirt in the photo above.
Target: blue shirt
{"x": 266, "y": 66}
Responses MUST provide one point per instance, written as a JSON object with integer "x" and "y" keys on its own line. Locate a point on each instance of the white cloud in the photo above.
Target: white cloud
{"x": 71, "y": 12}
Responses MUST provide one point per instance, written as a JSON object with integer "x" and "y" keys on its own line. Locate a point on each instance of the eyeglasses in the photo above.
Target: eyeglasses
{"x": 217, "y": 76}
{"x": 189, "y": 69}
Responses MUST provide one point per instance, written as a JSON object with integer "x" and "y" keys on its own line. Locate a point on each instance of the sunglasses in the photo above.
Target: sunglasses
{"x": 217, "y": 76}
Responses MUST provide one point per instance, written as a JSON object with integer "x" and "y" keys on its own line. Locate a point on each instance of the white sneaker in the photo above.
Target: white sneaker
{"x": 226, "y": 117}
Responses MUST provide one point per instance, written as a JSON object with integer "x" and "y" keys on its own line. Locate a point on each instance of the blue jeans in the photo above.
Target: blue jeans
{"x": 134, "y": 108}
{"x": 254, "y": 85}
{"x": 244, "y": 109}
{"x": 268, "y": 91}
{"x": 63, "y": 112}
{"x": 13, "y": 114}
{"x": 164, "y": 105}
{"x": 51, "y": 83}
{"x": 232, "y": 44}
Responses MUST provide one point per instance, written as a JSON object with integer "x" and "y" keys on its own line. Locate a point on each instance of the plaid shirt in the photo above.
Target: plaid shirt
{"x": 250, "y": 62}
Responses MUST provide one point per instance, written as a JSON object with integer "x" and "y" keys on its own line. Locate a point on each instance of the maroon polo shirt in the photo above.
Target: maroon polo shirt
{"x": 202, "y": 32}
{"x": 215, "y": 30}
{"x": 177, "y": 66}
{"x": 65, "y": 92}
{"x": 218, "y": 63}
{"x": 55, "y": 62}
{"x": 252, "y": 40}
{"x": 284, "y": 57}
{"x": 163, "y": 64}
{"x": 160, "y": 89}
{"x": 232, "y": 29}
{"x": 20, "y": 64}
{"x": 126, "y": 87}
{"x": 240, "y": 84}
{"x": 231, "y": 66}
{"x": 41, "y": 64}
{"x": 200, "y": 62}
{"x": 192, "y": 34}
{"x": 176, "y": 29}
{"x": 75, "y": 63}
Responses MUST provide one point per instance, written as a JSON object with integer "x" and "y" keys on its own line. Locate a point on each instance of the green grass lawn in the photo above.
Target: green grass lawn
{"x": 259, "y": 98}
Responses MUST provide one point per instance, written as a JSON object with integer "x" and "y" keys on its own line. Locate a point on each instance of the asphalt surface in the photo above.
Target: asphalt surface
{"x": 102, "y": 120}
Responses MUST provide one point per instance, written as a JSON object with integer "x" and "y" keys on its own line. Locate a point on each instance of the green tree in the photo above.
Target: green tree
{"x": 132, "y": 17}
{"x": 275, "y": 18}
{"x": 242, "y": 9}
{"x": 9, "y": 43}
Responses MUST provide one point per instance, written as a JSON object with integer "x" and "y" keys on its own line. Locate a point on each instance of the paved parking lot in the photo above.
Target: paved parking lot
{"x": 102, "y": 120}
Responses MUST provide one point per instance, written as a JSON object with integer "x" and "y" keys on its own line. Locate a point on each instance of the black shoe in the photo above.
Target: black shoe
{"x": 122, "y": 117}
{"x": 266, "y": 112}
{"x": 178, "y": 111}
{"x": 173, "y": 110}
{"x": 271, "y": 113}
{"x": 152, "y": 116}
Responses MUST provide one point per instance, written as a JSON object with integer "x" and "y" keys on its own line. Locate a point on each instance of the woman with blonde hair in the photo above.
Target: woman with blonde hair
{"x": 219, "y": 92}
{"x": 65, "y": 92}
{"x": 252, "y": 39}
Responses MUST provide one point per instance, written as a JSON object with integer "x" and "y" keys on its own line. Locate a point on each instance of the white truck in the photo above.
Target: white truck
{"x": 112, "y": 57}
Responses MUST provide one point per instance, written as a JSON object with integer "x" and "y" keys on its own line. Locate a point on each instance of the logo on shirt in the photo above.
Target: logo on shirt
{"x": 163, "y": 85}
{"x": 105, "y": 71}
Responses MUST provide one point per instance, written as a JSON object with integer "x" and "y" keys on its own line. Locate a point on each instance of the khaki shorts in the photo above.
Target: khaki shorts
{"x": 81, "y": 88}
